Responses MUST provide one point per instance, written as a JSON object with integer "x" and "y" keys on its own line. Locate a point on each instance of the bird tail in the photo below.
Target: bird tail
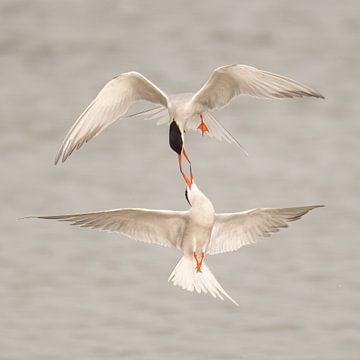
{"x": 185, "y": 276}
{"x": 219, "y": 132}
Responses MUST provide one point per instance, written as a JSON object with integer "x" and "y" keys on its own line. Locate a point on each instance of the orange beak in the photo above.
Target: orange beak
{"x": 188, "y": 181}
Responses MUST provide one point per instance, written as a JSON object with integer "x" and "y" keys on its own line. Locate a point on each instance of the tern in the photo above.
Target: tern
{"x": 196, "y": 232}
{"x": 188, "y": 111}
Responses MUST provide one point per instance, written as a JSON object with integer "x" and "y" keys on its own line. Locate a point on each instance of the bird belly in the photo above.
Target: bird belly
{"x": 196, "y": 240}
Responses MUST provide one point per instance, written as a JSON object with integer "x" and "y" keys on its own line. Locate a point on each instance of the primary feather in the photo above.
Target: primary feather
{"x": 112, "y": 102}
{"x": 159, "y": 227}
{"x": 226, "y": 82}
{"x": 229, "y": 81}
{"x": 232, "y": 231}
{"x": 199, "y": 230}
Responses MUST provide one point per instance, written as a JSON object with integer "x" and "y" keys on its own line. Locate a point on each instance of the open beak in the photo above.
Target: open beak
{"x": 188, "y": 181}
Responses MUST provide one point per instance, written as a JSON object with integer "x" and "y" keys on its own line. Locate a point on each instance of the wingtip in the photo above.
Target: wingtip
{"x": 27, "y": 217}
{"x": 231, "y": 300}
{"x": 312, "y": 207}
{"x": 63, "y": 158}
{"x": 57, "y": 157}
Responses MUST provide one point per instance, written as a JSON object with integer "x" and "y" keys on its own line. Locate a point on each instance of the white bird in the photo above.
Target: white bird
{"x": 184, "y": 110}
{"x": 195, "y": 232}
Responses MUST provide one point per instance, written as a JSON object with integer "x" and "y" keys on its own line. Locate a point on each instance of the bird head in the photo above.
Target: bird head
{"x": 196, "y": 198}
{"x": 192, "y": 193}
{"x": 175, "y": 137}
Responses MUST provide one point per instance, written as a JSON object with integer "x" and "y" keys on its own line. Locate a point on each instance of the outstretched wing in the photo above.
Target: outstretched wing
{"x": 112, "y": 101}
{"x": 232, "y": 231}
{"x": 232, "y": 80}
{"x": 160, "y": 227}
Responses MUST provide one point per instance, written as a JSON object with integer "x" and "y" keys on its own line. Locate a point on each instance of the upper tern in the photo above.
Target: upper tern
{"x": 188, "y": 111}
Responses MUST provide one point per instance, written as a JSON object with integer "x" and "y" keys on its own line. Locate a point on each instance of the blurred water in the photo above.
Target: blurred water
{"x": 68, "y": 293}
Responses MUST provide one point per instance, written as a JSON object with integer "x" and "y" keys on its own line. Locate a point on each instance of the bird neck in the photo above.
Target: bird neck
{"x": 200, "y": 203}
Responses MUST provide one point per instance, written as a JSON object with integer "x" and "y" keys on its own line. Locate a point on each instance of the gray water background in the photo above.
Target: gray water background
{"x": 70, "y": 293}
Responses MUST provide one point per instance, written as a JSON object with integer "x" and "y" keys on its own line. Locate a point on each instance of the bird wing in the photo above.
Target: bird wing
{"x": 232, "y": 231}
{"x": 229, "y": 81}
{"x": 112, "y": 101}
{"x": 160, "y": 227}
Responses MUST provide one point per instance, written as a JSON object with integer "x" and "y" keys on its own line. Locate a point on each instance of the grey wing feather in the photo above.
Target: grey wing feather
{"x": 160, "y": 227}
{"x": 232, "y": 231}
{"x": 229, "y": 81}
{"x": 110, "y": 104}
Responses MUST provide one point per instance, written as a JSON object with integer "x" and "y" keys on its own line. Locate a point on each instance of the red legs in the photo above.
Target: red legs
{"x": 202, "y": 126}
{"x": 188, "y": 181}
{"x": 199, "y": 263}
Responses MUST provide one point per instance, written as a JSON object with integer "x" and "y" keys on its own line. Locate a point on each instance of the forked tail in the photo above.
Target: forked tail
{"x": 185, "y": 276}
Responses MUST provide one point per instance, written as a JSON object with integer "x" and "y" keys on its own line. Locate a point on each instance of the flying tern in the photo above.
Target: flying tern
{"x": 196, "y": 232}
{"x": 188, "y": 111}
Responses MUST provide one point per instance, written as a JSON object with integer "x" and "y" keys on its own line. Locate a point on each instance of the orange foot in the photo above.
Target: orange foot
{"x": 202, "y": 126}
{"x": 198, "y": 263}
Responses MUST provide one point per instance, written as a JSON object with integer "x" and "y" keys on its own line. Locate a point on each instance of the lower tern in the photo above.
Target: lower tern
{"x": 196, "y": 232}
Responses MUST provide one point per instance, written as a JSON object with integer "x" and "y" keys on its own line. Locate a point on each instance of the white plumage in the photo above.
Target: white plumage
{"x": 226, "y": 82}
{"x": 195, "y": 232}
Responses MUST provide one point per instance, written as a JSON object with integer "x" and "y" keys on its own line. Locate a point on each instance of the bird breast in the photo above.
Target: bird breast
{"x": 202, "y": 216}
{"x": 196, "y": 237}
{"x": 179, "y": 108}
